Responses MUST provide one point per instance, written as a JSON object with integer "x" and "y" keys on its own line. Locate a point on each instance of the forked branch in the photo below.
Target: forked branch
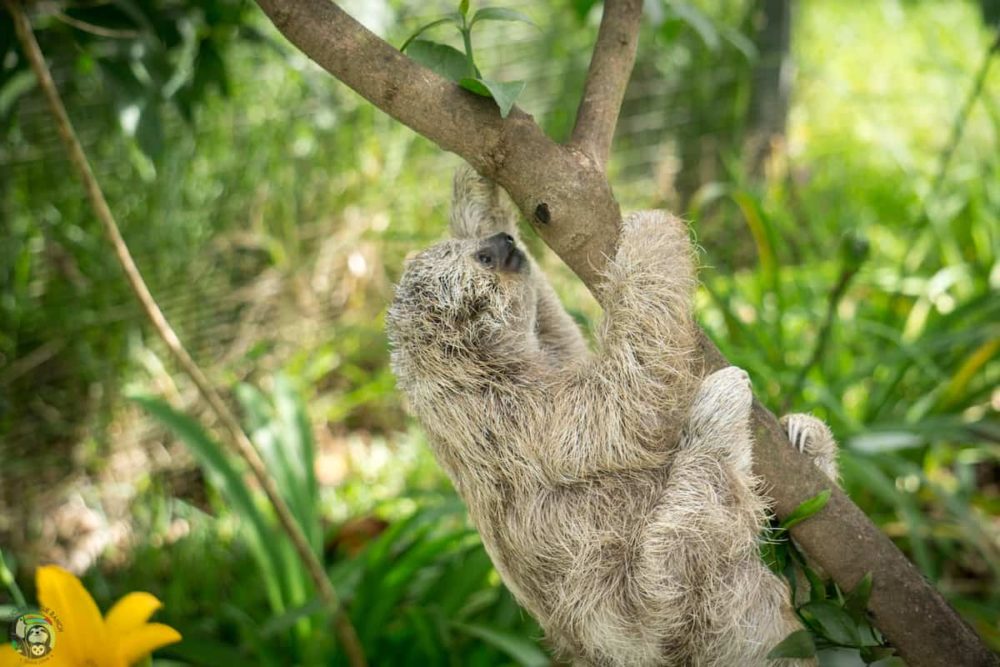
{"x": 610, "y": 69}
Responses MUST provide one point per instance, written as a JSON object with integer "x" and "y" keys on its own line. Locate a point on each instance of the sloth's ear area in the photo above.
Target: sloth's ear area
{"x": 479, "y": 207}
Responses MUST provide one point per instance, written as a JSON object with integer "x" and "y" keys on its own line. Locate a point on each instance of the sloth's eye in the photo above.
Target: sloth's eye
{"x": 484, "y": 258}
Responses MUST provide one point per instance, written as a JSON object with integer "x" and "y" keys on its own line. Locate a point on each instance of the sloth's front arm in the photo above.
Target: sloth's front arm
{"x": 622, "y": 409}
{"x": 480, "y": 209}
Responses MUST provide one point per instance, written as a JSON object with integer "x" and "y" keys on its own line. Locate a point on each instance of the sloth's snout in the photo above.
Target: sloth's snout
{"x": 501, "y": 252}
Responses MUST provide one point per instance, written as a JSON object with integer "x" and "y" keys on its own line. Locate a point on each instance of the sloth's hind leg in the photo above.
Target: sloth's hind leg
{"x": 811, "y": 436}
{"x": 719, "y": 422}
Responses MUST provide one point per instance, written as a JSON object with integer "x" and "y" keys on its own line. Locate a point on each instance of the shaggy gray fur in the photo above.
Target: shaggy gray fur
{"x": 613, "y": 490}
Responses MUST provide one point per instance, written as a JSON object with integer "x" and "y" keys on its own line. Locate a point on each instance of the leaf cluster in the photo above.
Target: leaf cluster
{"x": 459, "y": 66}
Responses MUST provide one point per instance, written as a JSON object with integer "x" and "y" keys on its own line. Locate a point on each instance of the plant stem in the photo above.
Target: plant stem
{"x": 237, "y": 437}
{"x": 847, "y": 273}
{"x": 958, "y": 127}
{"x": 8, "y": 580}
{"x": 470, "y": 64}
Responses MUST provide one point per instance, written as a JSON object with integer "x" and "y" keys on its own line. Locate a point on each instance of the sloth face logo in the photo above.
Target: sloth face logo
{"x": 33, "y": 635}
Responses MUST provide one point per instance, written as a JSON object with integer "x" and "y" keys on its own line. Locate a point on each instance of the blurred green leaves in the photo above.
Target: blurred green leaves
{"x": 420, "y": 593}
{"x": 144, "y": 55}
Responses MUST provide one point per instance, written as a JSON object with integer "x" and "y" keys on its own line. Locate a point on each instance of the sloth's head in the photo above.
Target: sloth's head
{"x": 37, "y": 634}
{"x": 463, "y": 300}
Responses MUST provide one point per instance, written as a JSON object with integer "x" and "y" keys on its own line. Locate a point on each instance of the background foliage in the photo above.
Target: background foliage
{"x": 854, "y": 274}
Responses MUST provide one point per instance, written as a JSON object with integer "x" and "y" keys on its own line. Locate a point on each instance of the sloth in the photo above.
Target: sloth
{"x": 612, "y": 488}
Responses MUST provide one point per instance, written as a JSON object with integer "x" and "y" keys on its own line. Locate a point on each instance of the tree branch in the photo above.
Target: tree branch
{"x": 563, "y": 191}
{"x": 610, "y": 68}
{"x": 577, "y": 206}
{"x": 238, "y": 439}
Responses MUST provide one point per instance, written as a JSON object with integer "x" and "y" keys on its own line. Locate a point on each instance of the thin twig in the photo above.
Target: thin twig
{"x": 238, "y": 438}
{"x": 608, "y": 75}
{"x": 98, "y": 30}
{"x": 847, "y": 273}
{"x": 958, "y": 127}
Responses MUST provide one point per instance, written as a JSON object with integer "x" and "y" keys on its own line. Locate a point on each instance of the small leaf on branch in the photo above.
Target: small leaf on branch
{"x": 807, "y": 509}
{"x": 504, "y": 93}
{"x": 834, "y": 622}
{"x": 463, "y": 7}
{"x": 445, "y": 60}
{"x": 857, "y": 600}
{"x": 799, "y": 644}
{"x": 500, "y": 14}
{"x": 881, "y": 656}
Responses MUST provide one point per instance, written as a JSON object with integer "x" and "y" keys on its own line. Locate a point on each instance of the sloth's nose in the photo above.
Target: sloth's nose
{"x": 504, "y": 252}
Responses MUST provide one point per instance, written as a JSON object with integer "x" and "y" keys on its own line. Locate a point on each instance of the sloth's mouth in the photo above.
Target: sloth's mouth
{"x": 514, "y": 262}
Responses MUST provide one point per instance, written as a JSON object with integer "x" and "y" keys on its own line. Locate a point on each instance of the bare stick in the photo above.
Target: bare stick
{"x": 238, "y": 438}
{"x": 610, "y": 67}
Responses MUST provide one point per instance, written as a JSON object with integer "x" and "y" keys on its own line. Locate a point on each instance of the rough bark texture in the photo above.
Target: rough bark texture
{"x": 564, "y": 192}
{"x": 614, "y": 54}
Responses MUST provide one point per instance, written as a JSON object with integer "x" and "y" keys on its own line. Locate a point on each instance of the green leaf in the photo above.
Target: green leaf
{"x": 880, "y": 655}
{"x": 817, "y": 587}
{"x": 891, "y": 661}
{"x": 446, "y": 60}
{"x": 523, "y": 651}
{"x": 209, "y": 70}
{"x": 583, "y": 7}
{"x": 799, "y": 644}
{"x": 149, "y": 131}
{"x": 834, "y": 622}
{"x": 453, "y": 18}
{"x": 698, "y": 21}
{"x": 857, "y": 601}
{"x": 13, "y": 88}
{"x": 504, "y": 93}
{"x": 807, "y": 509}
{"x": 463, "y": 7}
{"x": 282, "y": 622}
{"x": 500, "y": 14}
{"x": 263, "y": 539}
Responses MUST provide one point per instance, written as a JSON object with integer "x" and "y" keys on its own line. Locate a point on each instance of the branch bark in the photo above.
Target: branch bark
{"x": 564, "y": 192}
{"x": 607, "y": 77}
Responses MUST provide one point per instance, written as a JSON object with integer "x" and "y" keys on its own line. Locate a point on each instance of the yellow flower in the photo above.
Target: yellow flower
{"x": 80, "y": 637}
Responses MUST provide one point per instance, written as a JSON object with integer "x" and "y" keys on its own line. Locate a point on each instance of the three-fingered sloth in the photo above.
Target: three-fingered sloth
{"x": 612, "y": 489}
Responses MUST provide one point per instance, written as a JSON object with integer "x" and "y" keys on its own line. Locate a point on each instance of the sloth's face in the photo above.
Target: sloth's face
{"x": 466, "y": 293}
{"x": 37, "y": 635}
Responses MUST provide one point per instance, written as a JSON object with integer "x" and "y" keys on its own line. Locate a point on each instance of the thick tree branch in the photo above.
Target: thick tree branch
{"x": 563, "y": 191}
{"x": 610, "y": 68}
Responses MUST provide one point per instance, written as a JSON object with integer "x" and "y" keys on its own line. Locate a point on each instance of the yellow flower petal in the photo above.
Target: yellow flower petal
{"x": 11, "y": 658}
{"x": 142, "y": 641}
{"x": 82, "y": 637}
{"x": 129, "y": 613}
